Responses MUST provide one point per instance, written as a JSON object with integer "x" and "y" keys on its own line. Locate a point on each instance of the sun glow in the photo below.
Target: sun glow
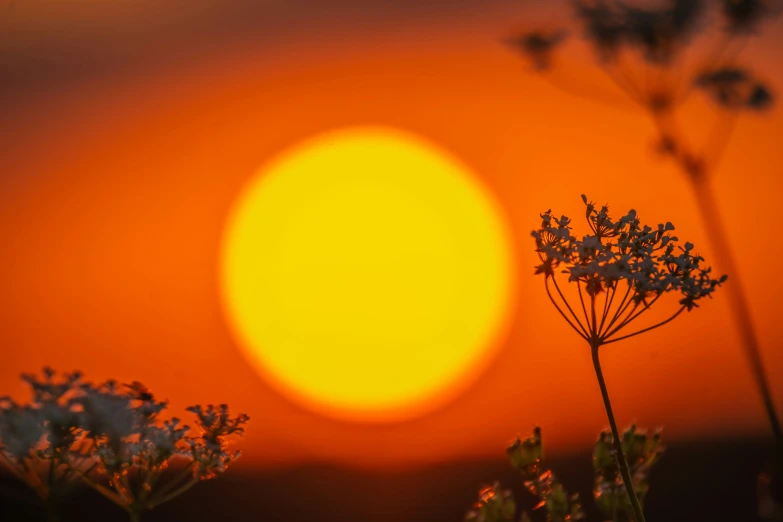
{"x": 366, "y": 274}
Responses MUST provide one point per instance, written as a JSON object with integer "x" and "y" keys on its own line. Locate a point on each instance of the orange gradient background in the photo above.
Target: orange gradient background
{"x": 125, "y": 140}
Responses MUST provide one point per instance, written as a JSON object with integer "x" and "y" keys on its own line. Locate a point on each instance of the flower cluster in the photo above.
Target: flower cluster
{"x": 641, "y": 451}
{"x": 659, "y": 33}
{"x": 209, "y": 448}
{"x": 734, "y": 88}
{"x": 114, "y": 430}
{"x": 44, "y": 431}
{"x": 618, "y": 254}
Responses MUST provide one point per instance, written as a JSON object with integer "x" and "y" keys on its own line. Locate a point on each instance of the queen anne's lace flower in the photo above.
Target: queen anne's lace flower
{"x": 116, "y": 430}
{"x": 618, "y": 257}
{"x": 21, "y": 430}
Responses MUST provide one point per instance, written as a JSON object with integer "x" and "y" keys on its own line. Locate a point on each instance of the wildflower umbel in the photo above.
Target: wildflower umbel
{"x": 39, "y": 440}
{"x": 110, "y": 436}
{"x": 620, "y": 270}
{"x": 622, "y": 263}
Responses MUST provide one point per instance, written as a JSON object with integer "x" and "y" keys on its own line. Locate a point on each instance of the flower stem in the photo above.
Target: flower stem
{"x": 183, "y": 488}
{"x": 621, "y": 462}
{"x": 135, "y": 515}
{"x": 716, "y": 234}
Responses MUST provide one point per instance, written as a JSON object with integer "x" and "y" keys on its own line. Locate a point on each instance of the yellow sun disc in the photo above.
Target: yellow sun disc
{"x": 366, "y": 274}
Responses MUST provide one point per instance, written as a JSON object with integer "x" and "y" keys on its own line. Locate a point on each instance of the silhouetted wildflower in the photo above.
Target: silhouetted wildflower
{"x": 614, "y": 27}
{"x": 38, "y": 439}
{"x": 619, "y": 255}
{"x": 646, "y": 259}
{"x": 79, "y": 427}
{"x": 604, "y": 24}
{"x": 661, "y": 33}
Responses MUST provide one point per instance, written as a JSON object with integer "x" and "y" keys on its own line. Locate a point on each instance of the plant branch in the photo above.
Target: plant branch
{"x": 183, "y": 488}
{"x": 584, "y": 309}
{"x": 607, "y": 305}
{"x": 581, "y": 333}
{"x": 106, "y": 492}
{"x": 631, "y": 316}
{"x": 13, "y": 467}
{"x": 645, "y": 329}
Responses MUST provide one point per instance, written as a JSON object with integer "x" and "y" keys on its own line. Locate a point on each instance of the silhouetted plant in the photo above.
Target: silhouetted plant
{"x": 527, "y": 457}
{"x": 642, "y": 452}
{"x": 641, "y": 50}
{"x": 112, "y": 438}
{"x": 621, "y": 260}
{"x": 555, "y": 504}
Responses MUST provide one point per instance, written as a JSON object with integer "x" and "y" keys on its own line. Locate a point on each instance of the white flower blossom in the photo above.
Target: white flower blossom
{"x": 647, "y": 259}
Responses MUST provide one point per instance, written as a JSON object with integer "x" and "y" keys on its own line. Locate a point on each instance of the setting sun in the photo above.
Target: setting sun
{"x": 366, "y": 274}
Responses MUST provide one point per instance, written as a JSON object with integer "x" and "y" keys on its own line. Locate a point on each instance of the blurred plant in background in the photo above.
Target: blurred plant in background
{"x": 619, "y": 258}
{"x": 112, "y": 438}
{"x": 642, "y": 50}
{"x": 554, "y": 503}
{"x": 526, "y": 457}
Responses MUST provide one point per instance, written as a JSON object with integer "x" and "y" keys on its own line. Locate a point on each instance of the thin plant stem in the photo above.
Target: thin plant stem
{"x": 622, "y": 463}
{"x": 619, "y": 314}
{"x": 51, "y": 511}
{"x": 632, "y": 316}
{"x": 584, "y": 330}
{"x": 607, "y": 305}
{"x": 584, "y": 309}
{"x": 619, "y": 310}
{"x": 13, "y": 467}
{"x": 738, "y": 303}
{"x": 187, "y": 470}
{"x": 607, "y": 99}
{"x": 35, "y": 481}
{"x": 106, "y": 492}
{"x": 645, "y": 329}
{"x": 183, "y": 488}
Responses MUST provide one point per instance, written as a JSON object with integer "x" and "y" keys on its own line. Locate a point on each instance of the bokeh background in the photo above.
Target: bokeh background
{"x": 129, "y": 128}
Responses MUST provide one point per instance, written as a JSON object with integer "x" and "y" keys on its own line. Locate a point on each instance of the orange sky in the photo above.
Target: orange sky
{"x": 114, "y": 187}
